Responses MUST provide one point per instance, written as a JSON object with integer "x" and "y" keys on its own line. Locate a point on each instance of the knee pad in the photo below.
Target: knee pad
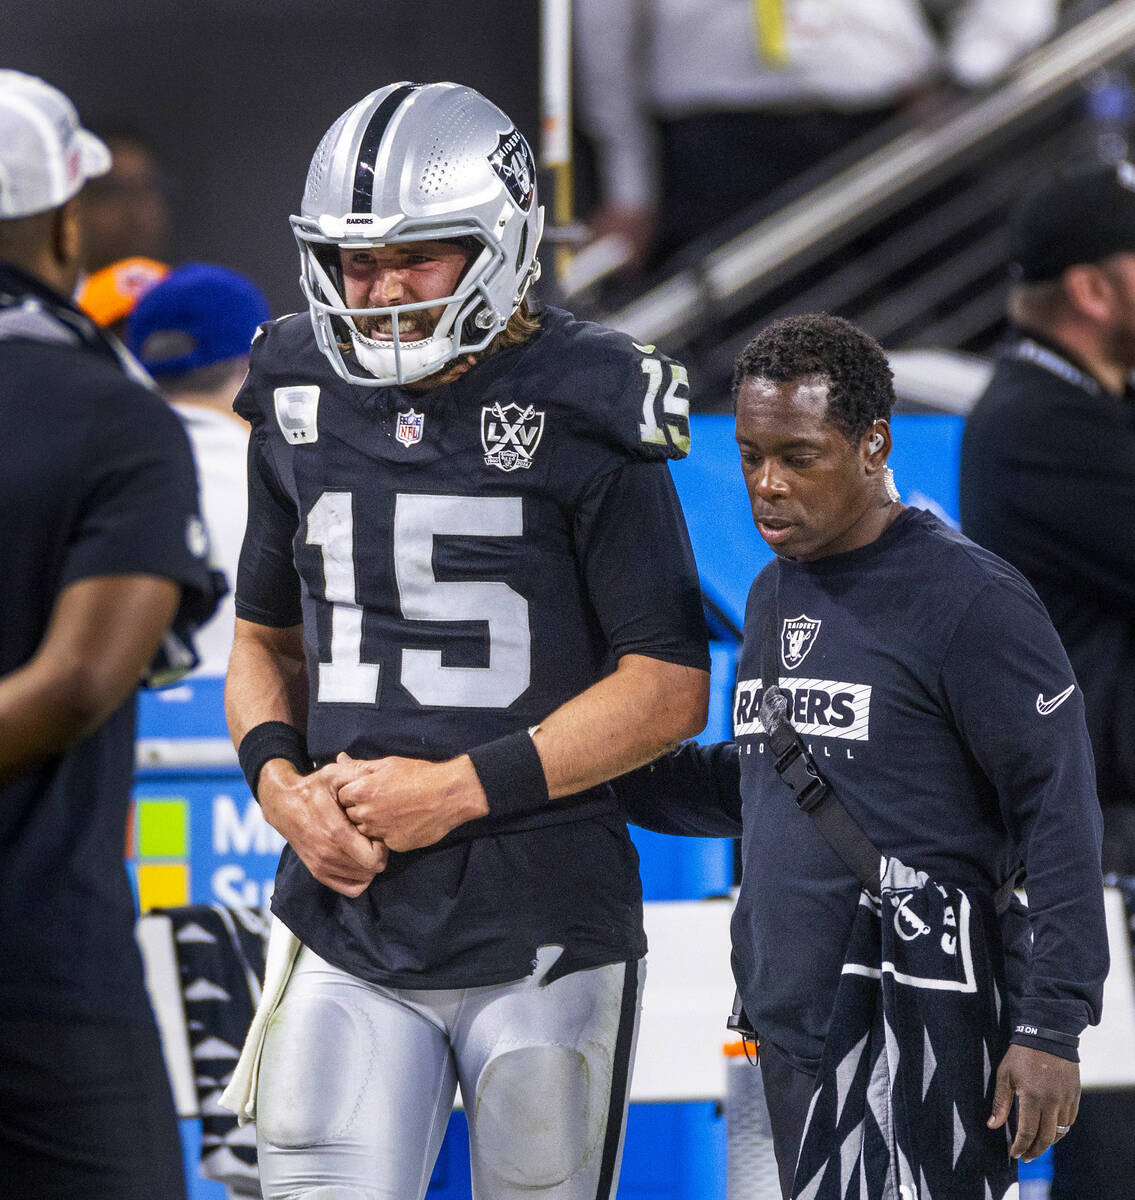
{"x": 540, "y": 1114}
{"x": 318, "y": 1055}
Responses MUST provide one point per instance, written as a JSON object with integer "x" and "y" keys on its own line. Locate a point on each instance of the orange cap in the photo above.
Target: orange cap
{"x": 110, "y": 294}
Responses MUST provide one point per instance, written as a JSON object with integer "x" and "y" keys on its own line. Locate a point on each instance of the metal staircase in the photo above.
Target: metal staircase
{"x": 905, "y": 236}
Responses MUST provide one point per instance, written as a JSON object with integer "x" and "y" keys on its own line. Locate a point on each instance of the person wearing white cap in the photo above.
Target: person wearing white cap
{"x": 48, "y": 155}
{"x": 105, "y": 560}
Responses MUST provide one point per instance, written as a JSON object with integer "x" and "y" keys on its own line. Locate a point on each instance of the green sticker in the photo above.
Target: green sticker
{"x": 163, "y": 828}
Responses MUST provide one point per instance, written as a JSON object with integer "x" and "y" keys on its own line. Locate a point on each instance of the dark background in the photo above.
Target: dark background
{"x": 234, "y": 95}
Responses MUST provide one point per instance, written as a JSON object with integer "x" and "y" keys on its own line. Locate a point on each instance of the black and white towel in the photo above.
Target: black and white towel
{"x": 220, "y": 958}
{"x": 918, "y": 1028}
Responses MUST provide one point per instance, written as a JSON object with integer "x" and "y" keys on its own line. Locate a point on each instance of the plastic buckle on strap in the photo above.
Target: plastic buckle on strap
{"x": 813, "y": 793}
{"x": 796, "y": 769}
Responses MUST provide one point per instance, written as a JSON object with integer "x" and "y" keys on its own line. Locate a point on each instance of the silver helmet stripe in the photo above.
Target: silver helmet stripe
{"x": 363, "y": 198}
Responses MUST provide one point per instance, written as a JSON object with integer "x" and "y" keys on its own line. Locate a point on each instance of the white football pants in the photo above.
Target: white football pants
{"x": 357, "y": 1082}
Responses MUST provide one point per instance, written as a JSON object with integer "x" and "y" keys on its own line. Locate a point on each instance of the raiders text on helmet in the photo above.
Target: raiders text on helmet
{"x": 411, "y": 163}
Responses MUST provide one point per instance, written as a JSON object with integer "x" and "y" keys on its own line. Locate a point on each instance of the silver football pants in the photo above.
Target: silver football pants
{"x": 357, "y": 1082}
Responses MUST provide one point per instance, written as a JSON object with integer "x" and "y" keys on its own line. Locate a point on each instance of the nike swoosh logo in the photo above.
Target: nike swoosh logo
{"x": 1047, "y": 707}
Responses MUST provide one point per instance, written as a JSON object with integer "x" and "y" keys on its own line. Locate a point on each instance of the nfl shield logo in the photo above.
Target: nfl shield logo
{"x": 797, "y": 637}
{"x": 409, "y": 429}
{"x": 510, "y": 435}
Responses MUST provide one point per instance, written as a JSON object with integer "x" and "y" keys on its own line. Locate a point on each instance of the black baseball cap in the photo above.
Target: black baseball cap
{"x": 1082, "y": 215}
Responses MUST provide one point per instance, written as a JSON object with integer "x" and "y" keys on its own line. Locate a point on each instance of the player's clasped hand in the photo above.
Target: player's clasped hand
{"x": 306, "y": 811}
{"x": 409, "y": 802}
{"x": 1048, "y": 1095}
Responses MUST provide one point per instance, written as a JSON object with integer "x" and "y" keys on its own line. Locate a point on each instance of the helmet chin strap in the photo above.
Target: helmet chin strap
{"x": 399, "y": 362}
{"x": 394, "y": 361}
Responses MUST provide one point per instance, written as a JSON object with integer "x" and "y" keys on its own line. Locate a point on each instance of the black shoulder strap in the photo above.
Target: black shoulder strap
{"x": 798, "y": 770}
{"x": 812, "y": 792}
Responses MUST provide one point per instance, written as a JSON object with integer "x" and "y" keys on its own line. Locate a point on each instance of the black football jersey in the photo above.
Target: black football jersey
{"x": 464, "y": 560}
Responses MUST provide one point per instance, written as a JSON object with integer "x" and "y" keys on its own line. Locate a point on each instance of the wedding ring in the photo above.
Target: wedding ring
{"x": 1063, "y": 1128}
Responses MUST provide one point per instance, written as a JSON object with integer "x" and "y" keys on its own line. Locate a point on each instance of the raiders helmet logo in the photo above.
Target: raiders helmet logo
{"x": 797, "y": 637}
{"x": 512, "y": 161}
{"x": 510, "y": 435}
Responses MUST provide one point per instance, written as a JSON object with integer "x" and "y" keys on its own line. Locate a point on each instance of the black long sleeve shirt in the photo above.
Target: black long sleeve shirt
{"x": 937, "y": 700}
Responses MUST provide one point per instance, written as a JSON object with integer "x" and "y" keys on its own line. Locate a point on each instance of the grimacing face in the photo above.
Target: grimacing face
{"x": 812, "y": 492}
{"x": 401, "y": 273}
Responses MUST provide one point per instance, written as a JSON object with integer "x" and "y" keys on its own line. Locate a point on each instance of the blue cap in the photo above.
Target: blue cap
{"x": 198, "y": 315}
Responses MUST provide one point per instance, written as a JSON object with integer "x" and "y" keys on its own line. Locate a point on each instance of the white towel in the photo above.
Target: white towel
{"x": 240, "y": 1095}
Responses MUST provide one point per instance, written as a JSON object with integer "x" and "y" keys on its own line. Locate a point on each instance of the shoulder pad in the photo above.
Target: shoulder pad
{"x": 638, "y": 397}
{"x": 658, "y": 399}
{"x": 283, "y": 349}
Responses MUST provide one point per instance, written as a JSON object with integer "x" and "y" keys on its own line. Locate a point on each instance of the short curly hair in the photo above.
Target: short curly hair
{"x": 860, "y": 384}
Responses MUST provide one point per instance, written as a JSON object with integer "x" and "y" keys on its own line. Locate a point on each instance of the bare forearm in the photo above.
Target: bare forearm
{"x": 41, "y": 715}
{"x": 642, "y": 709}
{"x": 266, "y": 680}
{"x": 102, "y": 634}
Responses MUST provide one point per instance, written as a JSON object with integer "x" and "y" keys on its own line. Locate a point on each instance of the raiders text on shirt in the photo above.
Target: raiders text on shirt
{"x": 819, "y": 708}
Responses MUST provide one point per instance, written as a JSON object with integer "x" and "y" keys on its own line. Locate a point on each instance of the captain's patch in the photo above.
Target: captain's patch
{"x": 297, "y": 408}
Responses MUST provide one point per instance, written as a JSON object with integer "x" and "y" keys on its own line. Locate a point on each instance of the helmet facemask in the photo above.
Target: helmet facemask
{"x": 478, "y": 212}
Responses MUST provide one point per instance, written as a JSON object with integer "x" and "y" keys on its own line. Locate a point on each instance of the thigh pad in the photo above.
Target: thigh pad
{"x": 541, "y": 1112}
{"x": 318, "y": 1054}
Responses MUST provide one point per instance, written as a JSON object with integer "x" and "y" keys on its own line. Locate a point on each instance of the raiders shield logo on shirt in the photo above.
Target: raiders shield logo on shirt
{"x": 797, "y": 637}
{"x": 510, "y": 435}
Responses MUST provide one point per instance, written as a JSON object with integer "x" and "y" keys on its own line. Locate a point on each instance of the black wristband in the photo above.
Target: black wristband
{"x": 511, "y": 773}
{"x": 1049, "y": 1035}
{"x": 268, "y": 740}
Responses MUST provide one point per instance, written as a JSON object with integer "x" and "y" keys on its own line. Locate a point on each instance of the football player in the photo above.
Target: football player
{"x": 467, "y": 596}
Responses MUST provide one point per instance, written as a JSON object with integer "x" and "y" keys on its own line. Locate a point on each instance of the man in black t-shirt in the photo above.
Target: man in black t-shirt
{"x": 103, "y": 548}
{"x": 926, "y": 681}
{"x": 467, "y": 595}
{"x": 1048, "y": 483}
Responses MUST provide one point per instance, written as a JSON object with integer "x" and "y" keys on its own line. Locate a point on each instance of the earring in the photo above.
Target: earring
{"x": 889, "y": 485}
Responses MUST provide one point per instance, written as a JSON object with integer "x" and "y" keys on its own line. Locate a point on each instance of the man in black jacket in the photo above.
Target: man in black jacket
{"x": 103, "y": 549}
{"x": 1048, "y": 483}
{"x": 1048, "y": 455}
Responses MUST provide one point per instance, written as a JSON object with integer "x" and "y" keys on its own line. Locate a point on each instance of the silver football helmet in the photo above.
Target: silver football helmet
{"x": 408, "y": 163}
